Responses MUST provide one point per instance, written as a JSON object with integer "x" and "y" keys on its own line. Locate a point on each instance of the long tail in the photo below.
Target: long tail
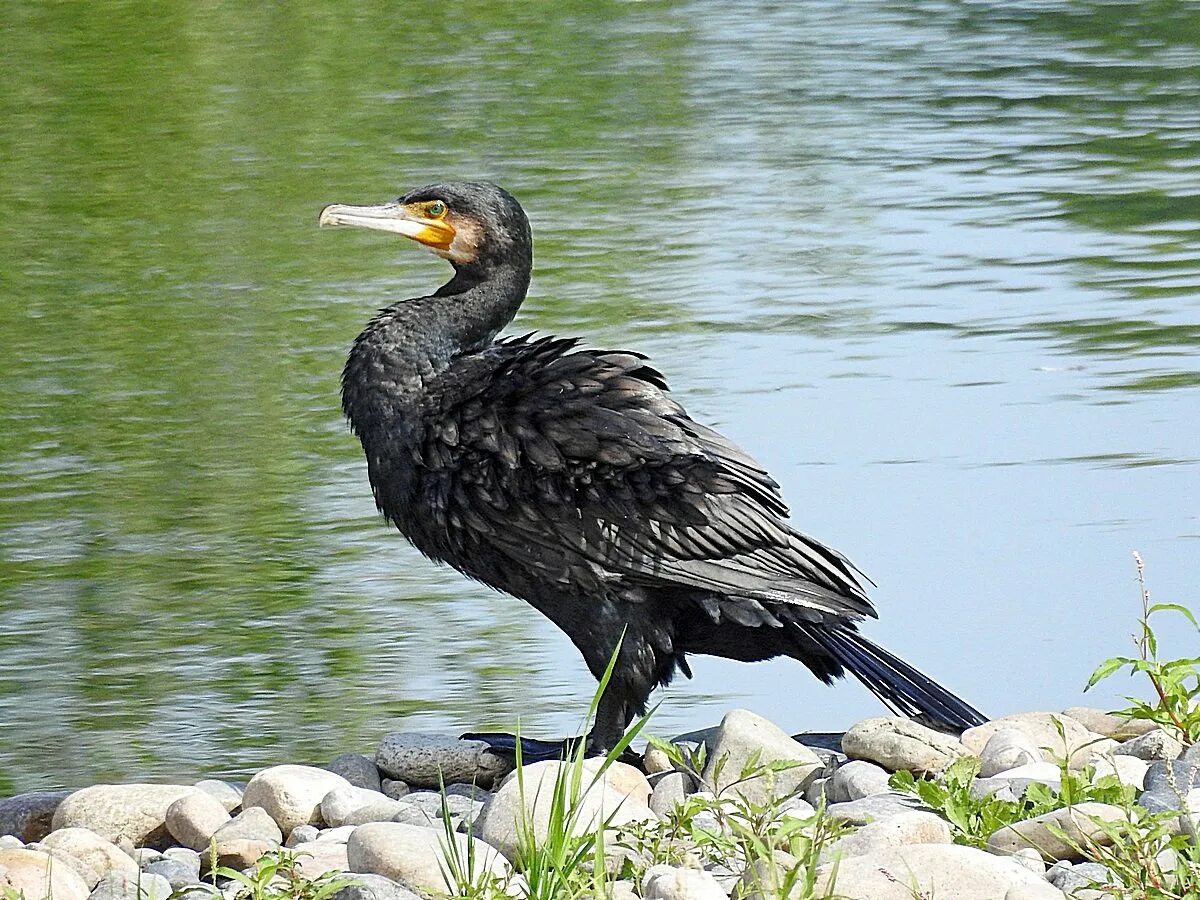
{"x": 902, "y": 688}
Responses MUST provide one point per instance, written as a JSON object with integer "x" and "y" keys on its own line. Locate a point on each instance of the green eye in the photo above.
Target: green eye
{"x": 436, "y": 209}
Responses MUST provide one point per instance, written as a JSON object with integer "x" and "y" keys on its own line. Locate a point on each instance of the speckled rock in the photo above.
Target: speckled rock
{"x": 855, "y": 780}
{"x": 28, "y": 872}
{"x": 414, "y": 856}
{"x": 100, "y": 856}
{"x": 929, "y": 870}
{"x": 254, "y": 824}
{"x": 500, "y": 821}
{"x": 428, "y": 760}
{"x": 1077, "y": 881}
{"x": 115, "y": 886}
{"x": 1007, "y": 749}
{"x": 28, "y": 816}
{"x": 136, "y": 813}
{"x": 193, "y": 818}
{"x": 1152, "y": 745}
{"x": 367, "y": 886}
{"x": 302, "y": 834}
{"x": 655, "y": 761}
{"x": 290, "y": 794}
{"x": 740, "y": 736}
{"x": 671, "y": 883}
{"x": 1077, "y": 824}
{"x": 896, "y": 743}
{"x": 357, "y": 769}
{"x": 1081, "y": 745}
{"x": 913, "y": 827}
{"x": 227, "y": 793}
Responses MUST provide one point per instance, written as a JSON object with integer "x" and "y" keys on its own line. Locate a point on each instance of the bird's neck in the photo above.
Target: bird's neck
{"x": 410, "y": 343}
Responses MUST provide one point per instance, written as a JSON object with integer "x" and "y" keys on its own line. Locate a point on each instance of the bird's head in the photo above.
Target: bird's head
{"x": 472, "y": 224}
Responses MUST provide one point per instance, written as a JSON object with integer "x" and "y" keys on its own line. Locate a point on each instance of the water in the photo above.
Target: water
{"x": 936, "y": 264}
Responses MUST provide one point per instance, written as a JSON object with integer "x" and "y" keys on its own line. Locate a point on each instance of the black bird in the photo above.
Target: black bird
{"x": 569, "y": 478}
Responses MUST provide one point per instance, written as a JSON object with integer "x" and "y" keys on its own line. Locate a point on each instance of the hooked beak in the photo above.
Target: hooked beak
{"x": 397, "y": 218}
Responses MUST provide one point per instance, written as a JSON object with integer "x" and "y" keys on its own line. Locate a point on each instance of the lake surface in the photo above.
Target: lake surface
{"x": 936, "y": 264}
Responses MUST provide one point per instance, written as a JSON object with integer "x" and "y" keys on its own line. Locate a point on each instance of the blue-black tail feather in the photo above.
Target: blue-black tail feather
{"x": 902, "y": 688}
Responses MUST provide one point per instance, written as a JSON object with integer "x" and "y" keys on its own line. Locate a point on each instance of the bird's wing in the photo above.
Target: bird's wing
{"x": 580, "y": 455}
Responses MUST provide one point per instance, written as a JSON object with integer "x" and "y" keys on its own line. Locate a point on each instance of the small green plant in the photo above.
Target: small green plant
{"x": 1176, "y": 682}
{"x": 277, "y": 876}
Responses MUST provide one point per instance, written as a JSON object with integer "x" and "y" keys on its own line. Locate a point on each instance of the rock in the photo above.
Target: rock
{"x": 122, "y": 812}
{"x": 855, "y": 780}
{"x": 28, "y": 873}
{"x": 1163, "y": 799}
{"x": 932, "y": 870}
{"x": 28, "y": 816}
{"x": 374, "y": 887}
{"x": 655, "y": 760}
{"x": 414, "y": 856}
{"x": 301, "y": 834}
{"x": 253, "y": 824}
{"x": 189, "y": 858}
{"x": 1152, "y": 745}
{"x": 10, "y": 842}
{"x": 115, "y": 886}
{"x": 291, "y": 794}
{"x": 671, "y": 883}
{"x": 621, "y": 777}
{"x": 1126, "y": 769}
{"x": 1030, "y": 859}
{"x": 1077, "y": 825}
{"x": 1007, "y": 748}
{"x": 1080, "y": 744}
{"x": 623, "y": 890}
{"x": 99, "y": 855}
{"x": 913, "y": 827}
{"x": 741, "y": 736}
{"x": 501, "y": 820}
{"x": 1082, "y": 877}
{"x": 177, "y": 872}
{"x": 1117, "y": 727}
{"x": 394, "y": 789}
{"x": 873, "y": 808}
{"x": 226, "y": 792}
{"x": 896, "y": 743}
{"x": 337, "y": 835}
{"x": 88, "y": 872}
{"x": 357, "y": 769}
{"x": 671, "y": 790}
{"x": 354, "y": 805}
{"x": 241, "y": 853}
{"x": 797, "y": 808}
{"x": 430, "y": 760}
{"x": 1176, "y": 775}
{"x": 193, "y": 818}
{"x": 1044, "y": 772}
{"x": 320, "y": 857}
{"x": 143, "y": 856}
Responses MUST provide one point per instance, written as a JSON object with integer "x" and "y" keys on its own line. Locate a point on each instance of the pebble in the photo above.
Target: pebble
{"x": 291, "y": 794}
{"x": 897, "y": 743}
{"x": 743, "y": 735}
{"x": 415, "y": 857}
{"x": 28, "y": 816}
{"x": 28, "y": 872}
{"x": 136, "y": 813}
{"x": 926, "y": 870}
{"x": 357, "y": 769}
{"x": 193, "y": 818}
{"x": 1042, "y": 730}
{"x": 302, "y": 834}
{"x": 430, "y": 760}
{"x": 1006, "y": 749}
{"x": 855, "y": 780}
{"x": 1056, "y": 834}
{"x": 511, "y": 806}
{"x": 670, "y": 883}
{"x": 177, "y": 872}
{"x": 394, "y": 789}
{"x": 1152, "y": 745}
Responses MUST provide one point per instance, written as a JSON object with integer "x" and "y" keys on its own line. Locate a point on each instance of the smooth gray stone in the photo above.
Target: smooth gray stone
{"x": 855, "y": 780}
{"x": 178, "y": 873}
{"x": 873, "y": 808}
{"x": 1082, "y": 876}
{"x": 374, "y": 887}
{"x": 357, "y": 769}
{"x": 396, "y": 789}
{"x": 189, "y": 858}
{"x": 1186, "y": 774}
{"x": 671, "y": 790}
{"x": 302, "y": 834}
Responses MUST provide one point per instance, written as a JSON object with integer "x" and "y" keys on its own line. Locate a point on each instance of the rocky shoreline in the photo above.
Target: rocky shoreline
{"x": 387, "y": 820}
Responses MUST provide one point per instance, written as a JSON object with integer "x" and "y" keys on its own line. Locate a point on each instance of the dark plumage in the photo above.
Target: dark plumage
{"x": 567, "y": 477}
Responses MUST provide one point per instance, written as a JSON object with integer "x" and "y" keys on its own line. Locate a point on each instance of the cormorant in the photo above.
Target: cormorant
{"x": 569, "y": 478}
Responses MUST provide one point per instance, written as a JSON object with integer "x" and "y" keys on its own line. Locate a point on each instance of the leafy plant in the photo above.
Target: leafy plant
{"x": 1176, "y": 682}
{"x": 277, "y": 876}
